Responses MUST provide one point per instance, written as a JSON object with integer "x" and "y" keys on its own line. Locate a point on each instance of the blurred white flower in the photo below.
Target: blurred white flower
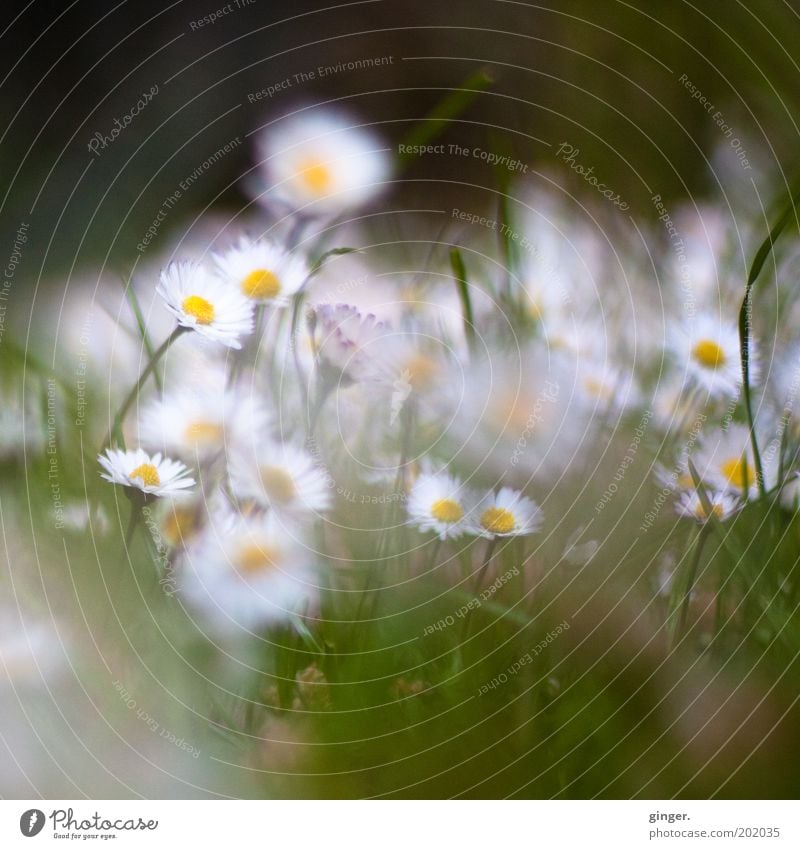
{"x": 723, "y": 505}
{"x": 321, "y": 163}
{"x": 605, "y": 388}
{"x": 724, "y": 461}
{"x": 342, "y": 334}
{"x": 253, "y": 575}
{"x": 283, "y": 477}
{"x": 197, "y": 423}
{"x": 152, "y": 475}
{"x": 31, "y": 650}
{"x": 790, "y": 492}
{"x": 506, "y": 513}
{"x": 206, "y": 304}
{"x": 262, "y": 271}
{"x": 22, "y": 423}
{"x": 83, "y": 516}
{"x": 519, "y": 410}
{"x": 440, "y": 503}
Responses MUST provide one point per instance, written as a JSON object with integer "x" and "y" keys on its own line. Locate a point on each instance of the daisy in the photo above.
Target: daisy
{"x": 181, "y": 521}
{"x": 32, "y": 650}
{"x": 262, "y": 272}
{"x": 677, "y": 478}
{"x": 518, "y": 410}
{"x": 724, "y": 460}
{"x": 137, "y": 469}
{"x": 605, "y": 387}
{"x": 196, "y": 423}
{"x": 321, "y": 163}
{"x": 785, "y": 379}
{"x": 543, "y": 296}
{"x": 505, "y": 514}
{"x": 675, "y": 406}
{"x": 723, "y": 505}
{"x": 342, "y": 334}
{"x": 22, "y": 421}
{"x": 283, "y": 477}
{"x": 790, "y": 492}
{"x": 439, "y": 503}
{"x": 709, "y": 351}
{"x": 254, "y": 574}
{"x": 205, "y": 304}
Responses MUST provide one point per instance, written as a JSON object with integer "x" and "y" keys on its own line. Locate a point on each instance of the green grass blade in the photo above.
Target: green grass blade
{"x": 460, "y": 275}
{"x": 745, "y": 325}
{"x": 137, "y": 312}
{"x": 449, "y": 108}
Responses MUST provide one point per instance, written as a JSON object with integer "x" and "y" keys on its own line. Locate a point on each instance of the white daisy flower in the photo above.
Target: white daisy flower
{"x": 709, "y": 351}
{"x": 32, "y": 650}
{"x": 197, "y": 423}
{"x": 83, "y": 516}
{"x": 253, "y": 575}
{"x": 544, "y": 301}
{"x": 790, "y": 492}
{"x": 180, "y": 520}
{"x": 603, "y": 387}
{"x": 675, "y": 478}
{"x": 321, "y": 163}
{"x": 507, "y": 513}
{"x": 22, "y": 424}
{"x": 206, "y": 304}
{"x": 518, "y": 410}
{"x": 675, "y": 406}
{"x": 262, "y": 272}
{"x": 785, "y": 380}
{"x": 723, "y": 505}
{"x": 137, "y": 469}
{"x": 283, "y": 477}
{"x": 342, "y": 332}
{"x": 724, "y": 461}
{"x": 439, "y": 503}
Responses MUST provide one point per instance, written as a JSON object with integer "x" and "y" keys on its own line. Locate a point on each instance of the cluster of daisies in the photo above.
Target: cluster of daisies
{"x": 440, "y": 503}
{"x": 268, "y": 392}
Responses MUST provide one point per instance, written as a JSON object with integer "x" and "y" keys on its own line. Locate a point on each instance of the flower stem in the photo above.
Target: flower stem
{"x": 486, "y": 561}
{"x": 133, "y": 521}
{"x": 690, "y": 581}
{"x": 744, "y": 349}
{"x": 116, "y": 428}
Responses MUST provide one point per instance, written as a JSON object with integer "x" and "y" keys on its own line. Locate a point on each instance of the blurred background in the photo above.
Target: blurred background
{"x": 604, "y": 78}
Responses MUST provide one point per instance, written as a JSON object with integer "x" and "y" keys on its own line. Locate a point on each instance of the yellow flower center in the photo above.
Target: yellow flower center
{"x": 708, "y": 353}
{"x": 535, "y": 310}
{"x": 446, "y": 510}
{"x": 510, "y": 413}
{"x": 203, "y": 433}
{"x": 254, "y": 558}
{"x": 498, "y": 520}
{"x": 261, "y": 285}
{"x": 147, "y": 473}
{"x": 179, "y": 524}
{"x": 316, "y": 176}
{"x": 700, "y": 511}
{"x": 595, "y": 386}
{"x": 736, "y": 470}
{"x": 199, "y": 308}
{"x": 278, "y": 484}
{"x": 422, "y": 371}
